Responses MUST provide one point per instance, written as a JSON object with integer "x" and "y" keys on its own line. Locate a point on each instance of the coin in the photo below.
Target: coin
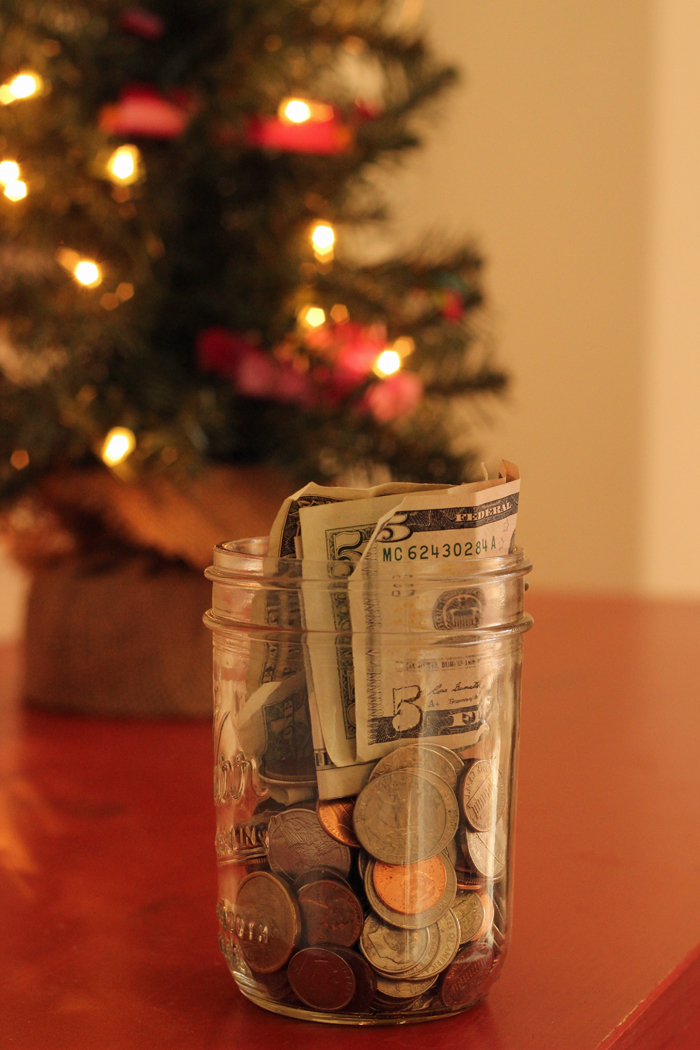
{"x": 365, "y": 981}
{"x": 336, "y": 818}
{"x": 391, "y": 950}
{"x": 465, "y": 979}
{"x": 330, "y": 913}
{"x": 314, "y": 874}
{"x": 482, "y": 795}
{"x": 321, "y": 978}
{"x": 266, "y": 922}
{"x": 410, "y": 888}
{"x": 393, "y": 989}
{"x": 417, "y": 757}
{"x": 451, "y": 756}
{"x": 447, "y": 933}
{"x": 471, "y": 913}
{"x": 487, "y": 902}
{"x": 409, "y": 921}
{"x": 405, "y": 816}
{"x": 486, "y": 850}
{"x": 298, "y": 843}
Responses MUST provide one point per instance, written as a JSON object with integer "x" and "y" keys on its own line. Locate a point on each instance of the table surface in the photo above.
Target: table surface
{"x": 108, "y": 936}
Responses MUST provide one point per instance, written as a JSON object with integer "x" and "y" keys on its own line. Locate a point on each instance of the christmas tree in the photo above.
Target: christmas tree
{"x": 180, "y": 187}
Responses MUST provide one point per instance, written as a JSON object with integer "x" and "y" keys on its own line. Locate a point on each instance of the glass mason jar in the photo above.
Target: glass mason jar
{"x": 365, "y": 738}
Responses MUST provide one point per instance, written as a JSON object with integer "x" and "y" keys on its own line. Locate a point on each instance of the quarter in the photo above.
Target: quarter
{"x": 405, "y": 816}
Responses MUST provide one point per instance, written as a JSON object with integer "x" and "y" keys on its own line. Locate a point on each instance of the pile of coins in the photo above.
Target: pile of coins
{"x": 391, "y": 902}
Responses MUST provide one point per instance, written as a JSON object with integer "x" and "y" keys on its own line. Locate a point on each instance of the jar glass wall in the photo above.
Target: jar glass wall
{"x": 364, "y": 782}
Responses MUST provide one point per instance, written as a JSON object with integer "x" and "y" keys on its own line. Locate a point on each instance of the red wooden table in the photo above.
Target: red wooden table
{"x": 107, "y": 880}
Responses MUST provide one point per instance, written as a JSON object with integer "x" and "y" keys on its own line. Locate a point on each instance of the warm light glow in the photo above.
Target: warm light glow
{"x": 119, "y": 443}
{"x": 88, "y": 273}
{"x": 24, "y": 85}
{"x": 19, "y": 459}
{"x": 339, "y": 313}
{"x": 110, "y": 301}
{"x": 315, "y": 316}
{"x": 388, "y": 362}
{"x": 404, "y": 346}
{"x": 9, "y": 172}
{"x": 6, "y": 95}
{"x": 123, "y": 165}
{"x": 16, "y": 190}
{"x": 323, "y": 238}
{"x": 125, "y": 290}
{"x": 295, "y": 110}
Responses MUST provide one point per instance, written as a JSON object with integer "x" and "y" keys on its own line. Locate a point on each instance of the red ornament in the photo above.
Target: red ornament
{"x": 351, "y": 351}
{"x": 251, "y": 371}
{"x": 142, "y": 112}
{"x": 399, "y": 395}
{"x": 140, "y": 22}
{"x": 452, "y": 306}
{"x": 323, "y": 137}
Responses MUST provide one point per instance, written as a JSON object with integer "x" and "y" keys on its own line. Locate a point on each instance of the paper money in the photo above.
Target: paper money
{"x": 412, "y": 688}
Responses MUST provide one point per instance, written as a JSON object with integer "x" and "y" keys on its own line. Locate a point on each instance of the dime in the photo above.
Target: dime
{"x": 471, "y": 914}
{"x": 465, "y": 980}
{"x": 417, "y": 757}
{"x": 336, "y": 818}
{"x": 411, "y": 921}
{"x": 266, "y": 922}
{"x": 405, "y": 816}
{"x": 298, "y": 843}
{"x": 482, "y": 795}
{"x": 322, "y": 979}
{"x": 410, "y": 888}
{"x": 486, "y": 850}
{"x": 391, "y": 989}
{"x": 330, "y": 913}
{"x": 390, "y": 950}
{"x": 447, "y": 937}
{"x": 365, "y": 981}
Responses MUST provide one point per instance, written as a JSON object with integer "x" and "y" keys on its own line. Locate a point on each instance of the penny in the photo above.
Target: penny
{"x": 365, "y": 981}
{"x": 417, "y": 757}
{"x": 266, "y": 922}
{"x": 392, "y": 989}
{"x": 486, "y": 850}
{"x": 405, "y": 816}
{"x": 330, "y": 913}
{"x": 465, "y": 979}
{"x": 273, "y": 986}
{"x": 482, "y": 795}
{"x": 298, "y": 843}
{"x": 447, "y": 936}
{"x": 411, "y": 921}
{"x": 336, "y": 818}
{"x": 314, "y": 874}
{"x": 322, "y": 979}
{"x": 410, "y": 888}
{"x": 487, "y": 902}
{"x": 391, "y": 950}
{"x": 471, "y": 914}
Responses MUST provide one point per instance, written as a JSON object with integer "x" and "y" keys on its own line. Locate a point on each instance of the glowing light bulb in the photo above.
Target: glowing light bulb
{"x": 87, "y": 273}
{"x": 24, "y": 85}
{"x": 9, "y": 172}
{"x": 295, "y": 110}
{"x": 123, "y": 165}
{"x": 16, "y": 190}
{"x": 315, "y": 316}
{"x": 323, "y": 237}
{"x": 388, "y": 362}
{"x": 119, "y": 443}
{"x": 19, "y": 458}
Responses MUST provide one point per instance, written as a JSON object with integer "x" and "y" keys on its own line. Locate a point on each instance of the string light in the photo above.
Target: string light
{"x": 295, "y": 110}
{"x": 119, "y": 443}
{"x": 24, "y": 85}
{"x": 9, "y": 172}
{"x": 323, "y": 239}
{"x": 123, "y": 167}
{"x": 87, "y": 273}
{"x": 16, "y": 191}
{"x": 387, "y": 363}
{"x": 314, "y": 316}
{"x": 339, "y": 313}
{"x": 19, "y": 458}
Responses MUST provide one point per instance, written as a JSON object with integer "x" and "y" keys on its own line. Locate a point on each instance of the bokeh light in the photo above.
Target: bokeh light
{"x": 119, "y": 443}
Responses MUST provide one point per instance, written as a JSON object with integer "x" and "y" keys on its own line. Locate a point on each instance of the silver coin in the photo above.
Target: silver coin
{"x": 419, "y": 920}
{"x": 298, "y": 843}
{"x": 487, "y": 850}
{"x": 447, "y": 935}
{"x": 406, "y": 816}
{"x": 470, "y": 912}
{"x": 404, "y": 989}
{"x": 390, "y": 950}
{"x": 417, "y": 757}
{"x": 451, "y": 756}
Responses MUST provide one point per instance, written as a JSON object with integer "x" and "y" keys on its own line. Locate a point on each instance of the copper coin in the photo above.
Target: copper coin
{"x": 322, "y": 979}
{"x": 314, "y": 874}
{"x": 365, "y": 981}
{"x": 330, "y": 913}
{"x": 405, "y": 816}
{"x": 487, "y": 850}
{"x": 418, "y": 757}
{"x": 410, "y": 888}
{"x": 471, "y": 914}
{"x": 266, "y": 922}
{"x": 482, "y": 795}
{"x": 336, "y": 818}
{"x": 298, "y": 843}
{"x": 465, "y": 979}
{"x": 405, "y": 920}
{"x": 487, "y": 902}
